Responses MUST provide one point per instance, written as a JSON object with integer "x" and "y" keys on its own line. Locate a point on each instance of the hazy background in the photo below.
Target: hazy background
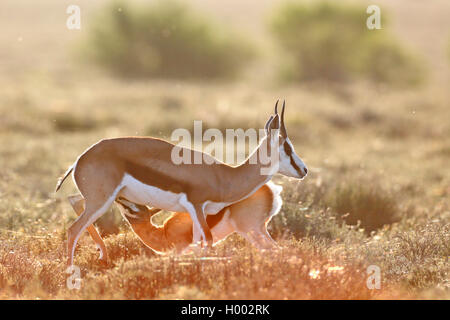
{"x": 373, "y": 129}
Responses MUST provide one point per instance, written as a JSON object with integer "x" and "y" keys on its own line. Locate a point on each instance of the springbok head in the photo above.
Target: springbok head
{"x": 290, "y": 163}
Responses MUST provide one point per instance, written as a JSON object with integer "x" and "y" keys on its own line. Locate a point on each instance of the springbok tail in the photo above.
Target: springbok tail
{"x": 61, "y": 179}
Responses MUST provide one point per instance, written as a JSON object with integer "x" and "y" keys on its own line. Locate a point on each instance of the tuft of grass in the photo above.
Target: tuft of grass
{"x": 305, "y": 215}
{"x": 165, "y": 40}
{"x": 329, "y": 41}
{"x": 334, "y": 211}
{"x": 363, "y": 203}
{"x": 422, "y": 254}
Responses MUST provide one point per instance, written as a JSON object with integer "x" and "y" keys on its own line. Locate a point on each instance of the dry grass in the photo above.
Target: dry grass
{"x": 366, "y": 147}
{"x": 374, "y": 170}
{"x": 34, "y": 268}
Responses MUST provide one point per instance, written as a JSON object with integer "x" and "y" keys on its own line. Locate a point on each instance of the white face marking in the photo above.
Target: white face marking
{"x": 286, "y": 167}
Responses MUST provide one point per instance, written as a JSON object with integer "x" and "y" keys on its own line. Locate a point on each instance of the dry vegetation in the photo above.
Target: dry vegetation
{"x": 166, "y": 39}
{"x": 377, "y": 192}
{"x": 317, "y": 38}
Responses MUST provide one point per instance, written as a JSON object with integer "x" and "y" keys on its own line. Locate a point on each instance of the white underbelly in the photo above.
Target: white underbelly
{"x": 214, "y": 207}
{"x": 135, "y": 191}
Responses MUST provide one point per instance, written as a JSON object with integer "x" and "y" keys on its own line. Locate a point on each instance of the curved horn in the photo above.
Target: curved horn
{"x": 276, "y": 106}
{"x": 283, "y": 128}
{"x": 268, "y": 123}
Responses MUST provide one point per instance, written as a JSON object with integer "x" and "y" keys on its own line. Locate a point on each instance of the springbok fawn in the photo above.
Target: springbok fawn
{"x": 249, "y": 218}
{"x": 140, "y": 170}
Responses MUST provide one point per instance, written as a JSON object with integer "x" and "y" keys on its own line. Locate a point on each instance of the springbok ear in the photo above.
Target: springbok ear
{"x": 275, "y": 123}
{"x": 273, "y": 131}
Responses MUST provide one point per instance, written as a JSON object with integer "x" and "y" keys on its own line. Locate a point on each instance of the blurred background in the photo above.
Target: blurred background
{"x": 367, "y": 110}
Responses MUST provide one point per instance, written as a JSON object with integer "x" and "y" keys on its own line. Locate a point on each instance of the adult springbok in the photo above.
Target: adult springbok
{"x": 141, "y": 170}
{"x": 248, "y": 217}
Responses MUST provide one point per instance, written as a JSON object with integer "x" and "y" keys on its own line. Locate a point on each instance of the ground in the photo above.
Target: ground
{"x": 393, "y": 144}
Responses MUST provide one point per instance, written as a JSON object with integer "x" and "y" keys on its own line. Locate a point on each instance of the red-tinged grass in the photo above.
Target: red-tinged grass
{"x": 234, "y": 270}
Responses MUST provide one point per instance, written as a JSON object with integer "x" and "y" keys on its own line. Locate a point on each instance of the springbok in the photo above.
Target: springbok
{"x": 141, "y": 170}
{"x": 249, "y": 218}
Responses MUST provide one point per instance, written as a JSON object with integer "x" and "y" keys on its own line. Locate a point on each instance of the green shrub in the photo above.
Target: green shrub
{"x": 330, "y": 41}
{"x": 165, "y": 39}
{"x": 363, "y": 203}
{"x": 334, "y": 209}
{"x": 304, "y": 214}
{"x": 385, "y": 61}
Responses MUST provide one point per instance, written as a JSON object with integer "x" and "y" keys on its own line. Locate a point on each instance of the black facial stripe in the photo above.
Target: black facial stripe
{"x": 288, "y": 151}
{"x": 287, "y": 148}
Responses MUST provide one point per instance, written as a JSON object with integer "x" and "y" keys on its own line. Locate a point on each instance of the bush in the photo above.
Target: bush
{"x": 334, "y": 210}
{"x": 165, "y": 39}
{"x": 363, "y": 203}
{"x": 329, "y": 41}
{"x": 304, "y": 214}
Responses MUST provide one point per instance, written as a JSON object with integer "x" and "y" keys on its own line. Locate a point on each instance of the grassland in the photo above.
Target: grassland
{"x": 375, "y": 154}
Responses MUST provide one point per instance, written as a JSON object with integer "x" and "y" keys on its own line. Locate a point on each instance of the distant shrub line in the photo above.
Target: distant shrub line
{"x": 323, "y": 41}
{"x": 329, "y": 41}
{"x": 164, "y": 40}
